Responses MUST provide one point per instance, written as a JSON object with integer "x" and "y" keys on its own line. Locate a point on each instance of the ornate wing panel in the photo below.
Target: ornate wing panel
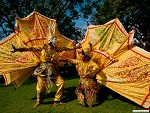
{"x": 32, "y": 30}
{"x": 108, "y": 42}
{"x": 124, "y": 68}
{"x": 130, "y": 76}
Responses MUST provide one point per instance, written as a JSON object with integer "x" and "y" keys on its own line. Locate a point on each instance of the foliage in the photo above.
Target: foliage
{"x": 64, "y": 11}
{"x": 132, "y": 13}
{"x": 135, "y": 13}
{"x": 23, "y": 99}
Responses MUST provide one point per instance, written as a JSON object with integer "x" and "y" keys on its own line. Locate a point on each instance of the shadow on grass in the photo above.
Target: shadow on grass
{"x": 104, "y": 93}
{"x": 33, "y": 79}
{"x": 68, "y": 95}
{"x": 2, "y": 80}
{"x": 108, "y": 94}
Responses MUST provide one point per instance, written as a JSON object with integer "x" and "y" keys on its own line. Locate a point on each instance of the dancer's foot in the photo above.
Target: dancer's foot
{"x": 56, "y": 103}
{"x": 37, "y": 104}
{"x": 82, "y": 103}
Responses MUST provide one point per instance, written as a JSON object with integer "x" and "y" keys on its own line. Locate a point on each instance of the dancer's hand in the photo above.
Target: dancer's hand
{"x": 64, "y": 60}
{"x": 14, "y": 49}
{"x": 78, "y": 46}
{"x": 18, "y": 49}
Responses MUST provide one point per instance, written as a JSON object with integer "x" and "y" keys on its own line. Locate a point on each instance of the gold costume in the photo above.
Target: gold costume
{"x": 125, "y": 68}
{"x": 87, "y": 90}
{"x": 47, "y": 71}
{"x": 41, "y": 88}
{"x": 48, "y": 67}
{"x": 31, "y": 34}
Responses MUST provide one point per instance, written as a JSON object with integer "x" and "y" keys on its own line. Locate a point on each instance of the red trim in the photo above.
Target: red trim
{"x": 15, "y": 85}
{"x": 56, "y": 28}
{"x": 108, "y": 25}
{"x": 33, "y": 13}
{"x": 6, "y": 81}
{"x": 18, "y": 28}
{"x": 103, "y": 55}
{"x": 39, "y": 20}
{"x": 36, "y": 55}
{"x": 102, "y": 26}
{"x": 128, "y": 42}
{"x": 7, "y": 39}
{"x": 120, "y": 28}
{"x": 44, "y": 16}
{"x": 140, "y": 54}
{"x": 146, "y": 97}
{"x": 38, "y": 38}
{"x": 148, "y": 109}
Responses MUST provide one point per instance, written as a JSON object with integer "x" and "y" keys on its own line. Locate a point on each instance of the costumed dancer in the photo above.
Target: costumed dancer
{"x": 88, "y": 88}
{"x": 47, "y": 74}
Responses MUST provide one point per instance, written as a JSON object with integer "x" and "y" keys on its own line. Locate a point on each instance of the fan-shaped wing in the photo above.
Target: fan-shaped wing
{"x": 107, "y": 41}
{"x": 130, "y": 76}
{"x": 125, "y": 68}
{"x": 30, "y": 31}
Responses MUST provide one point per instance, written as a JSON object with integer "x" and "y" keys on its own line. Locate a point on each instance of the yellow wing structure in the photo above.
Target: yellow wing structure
{"x": 32, "y": 30}
{"x": 124, "y": 68}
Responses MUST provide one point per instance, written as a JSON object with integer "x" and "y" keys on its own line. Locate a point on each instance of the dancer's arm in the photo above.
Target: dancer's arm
{"x": 33, "y": 48}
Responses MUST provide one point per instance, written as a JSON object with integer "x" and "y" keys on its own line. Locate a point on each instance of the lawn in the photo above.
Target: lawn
{"x": 23, "y": 99}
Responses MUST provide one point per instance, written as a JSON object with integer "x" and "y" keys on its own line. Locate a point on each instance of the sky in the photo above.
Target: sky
{"x": 81, "y": 23}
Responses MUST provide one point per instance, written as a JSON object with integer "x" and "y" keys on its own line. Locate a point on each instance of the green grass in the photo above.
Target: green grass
{"x": 23, "y": 99}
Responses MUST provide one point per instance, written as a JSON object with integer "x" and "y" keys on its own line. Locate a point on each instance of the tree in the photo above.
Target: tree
{"x": 64, "y": 11}
{"x": 132, "y": 13}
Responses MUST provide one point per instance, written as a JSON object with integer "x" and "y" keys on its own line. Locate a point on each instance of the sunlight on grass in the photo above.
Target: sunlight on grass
{"x": 23, "y": 99}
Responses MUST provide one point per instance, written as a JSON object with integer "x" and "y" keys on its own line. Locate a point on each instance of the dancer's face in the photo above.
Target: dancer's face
{"x": 81, "y": 55}
{"x": 53, "y": 39}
